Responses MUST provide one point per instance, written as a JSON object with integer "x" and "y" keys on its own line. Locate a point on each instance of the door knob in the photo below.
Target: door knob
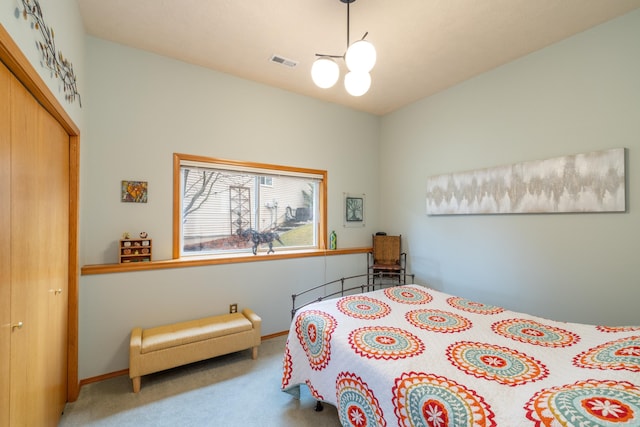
{"x": 57, "y": 291}
{"x": 17, "y": 325}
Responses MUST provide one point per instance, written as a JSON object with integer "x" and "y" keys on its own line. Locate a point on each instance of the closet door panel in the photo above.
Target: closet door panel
{"x": 55, "y": 145}
{"x": 28, "y": 305}
{"x": 5, "y": 247}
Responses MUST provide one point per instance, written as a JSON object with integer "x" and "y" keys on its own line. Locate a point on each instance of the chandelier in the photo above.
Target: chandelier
{"x": 360, "y": 58}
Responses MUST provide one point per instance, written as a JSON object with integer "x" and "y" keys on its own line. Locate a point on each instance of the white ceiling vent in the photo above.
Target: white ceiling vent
{"x": 283, "y": 61}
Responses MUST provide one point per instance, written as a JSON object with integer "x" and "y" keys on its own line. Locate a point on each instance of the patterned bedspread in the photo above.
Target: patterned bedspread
{"x": 413, "y": 356}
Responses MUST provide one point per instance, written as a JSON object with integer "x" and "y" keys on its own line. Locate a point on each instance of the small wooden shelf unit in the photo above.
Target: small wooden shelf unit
{"x": 135, "y": 250}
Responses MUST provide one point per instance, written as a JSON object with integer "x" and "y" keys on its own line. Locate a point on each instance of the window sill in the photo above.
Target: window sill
{"x": 202, "y": 261}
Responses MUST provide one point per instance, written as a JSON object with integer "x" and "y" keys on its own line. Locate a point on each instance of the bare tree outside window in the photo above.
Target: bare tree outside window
{"x": 198, "y": 192}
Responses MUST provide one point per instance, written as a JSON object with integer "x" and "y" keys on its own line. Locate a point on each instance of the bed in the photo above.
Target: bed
{"x": 409, "y": 355}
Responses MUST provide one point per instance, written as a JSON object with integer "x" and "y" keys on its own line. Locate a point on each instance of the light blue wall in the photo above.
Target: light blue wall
{"x": 579, "y": 95}
{"x": 143, "y": 108}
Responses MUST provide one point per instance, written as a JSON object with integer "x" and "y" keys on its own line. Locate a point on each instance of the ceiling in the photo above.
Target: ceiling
{"x": 423, "y": 46}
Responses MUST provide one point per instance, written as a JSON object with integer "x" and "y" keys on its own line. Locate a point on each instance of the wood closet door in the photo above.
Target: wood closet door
{"x": 39, "y": 247}
{"x": 5, "y": 244}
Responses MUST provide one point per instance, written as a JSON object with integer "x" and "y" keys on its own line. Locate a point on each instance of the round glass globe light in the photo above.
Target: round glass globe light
{"x": 357, "y": 84}
{"x": 325, "y": 72}
{"x": 361, "y": 56}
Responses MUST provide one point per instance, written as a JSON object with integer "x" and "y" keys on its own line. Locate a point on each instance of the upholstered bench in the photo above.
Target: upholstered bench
{"x": 163, "y": 347}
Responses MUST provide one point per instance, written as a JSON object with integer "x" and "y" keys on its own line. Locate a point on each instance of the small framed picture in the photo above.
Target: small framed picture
{"x": 354, "y": 205}
{"x": 134, "y": 192}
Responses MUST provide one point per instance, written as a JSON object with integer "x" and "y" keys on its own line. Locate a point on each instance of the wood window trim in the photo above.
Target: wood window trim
{"x": 179, "y": 157}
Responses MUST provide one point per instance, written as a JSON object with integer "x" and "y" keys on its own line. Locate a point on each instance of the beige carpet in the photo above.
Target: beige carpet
{"x": 231, "y": 390}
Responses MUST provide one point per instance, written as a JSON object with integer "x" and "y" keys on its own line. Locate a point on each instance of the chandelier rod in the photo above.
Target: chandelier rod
{"x": 348, "y": 22}
{"x": 348, "y": 4}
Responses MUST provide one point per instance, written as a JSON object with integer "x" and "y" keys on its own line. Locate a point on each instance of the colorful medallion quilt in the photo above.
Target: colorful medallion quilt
{"x": 413, "y": 356}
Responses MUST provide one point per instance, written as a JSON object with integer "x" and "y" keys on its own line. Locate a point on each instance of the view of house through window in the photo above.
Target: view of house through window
{"x": 236, "y": 207}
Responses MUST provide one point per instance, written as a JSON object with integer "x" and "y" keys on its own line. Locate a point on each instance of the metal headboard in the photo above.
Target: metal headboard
{"x": 386, "y": 279}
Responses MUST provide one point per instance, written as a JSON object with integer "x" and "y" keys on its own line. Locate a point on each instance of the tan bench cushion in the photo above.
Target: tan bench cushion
{"x": 168, "y": 336}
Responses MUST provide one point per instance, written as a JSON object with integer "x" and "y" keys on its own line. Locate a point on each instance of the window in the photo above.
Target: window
{"x": 266, "y": 180}
{"x": 230, "y": 207}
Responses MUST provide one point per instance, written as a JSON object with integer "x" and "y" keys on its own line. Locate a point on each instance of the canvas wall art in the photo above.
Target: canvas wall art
{"x": 134, "y": 191}
{"x": 588, "y": 182}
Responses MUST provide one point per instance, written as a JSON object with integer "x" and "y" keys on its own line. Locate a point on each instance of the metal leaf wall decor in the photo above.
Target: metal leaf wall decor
{"x": 52, "y": 59}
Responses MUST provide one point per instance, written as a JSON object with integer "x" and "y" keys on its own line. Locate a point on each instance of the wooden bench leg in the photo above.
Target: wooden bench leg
{"x": 254, "y": 353}
{"x": 136, "y": 384}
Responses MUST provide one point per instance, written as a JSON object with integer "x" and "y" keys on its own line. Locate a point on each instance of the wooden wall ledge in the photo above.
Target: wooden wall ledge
{"x": 196, "y": 261}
